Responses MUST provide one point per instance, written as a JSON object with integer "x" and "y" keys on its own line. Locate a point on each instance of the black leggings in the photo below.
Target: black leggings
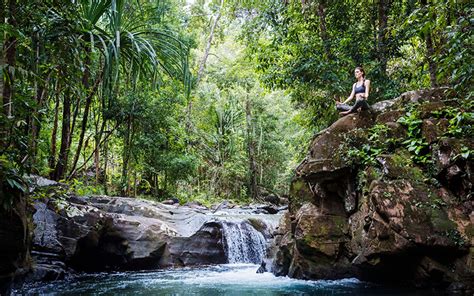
{"x": 362, "y": 104}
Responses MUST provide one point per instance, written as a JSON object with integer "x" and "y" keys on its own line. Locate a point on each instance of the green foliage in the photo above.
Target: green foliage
{"x": 105, "y": 86}
{"x": 365, "y": 150}
{"x": 82, "y": 188}
{"x": 456, "y": 237}
{"x": 466, "y": 153}
{"x": 12, "y": 184}
{"x": 415, "y": 143}
{"x": 454, "y": 59}
{"x": 460, "y": 120}
{"x": 433, "y": 204}
{"x": 311, "y": 48}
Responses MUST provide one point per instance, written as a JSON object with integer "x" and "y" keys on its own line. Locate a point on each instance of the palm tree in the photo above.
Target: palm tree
{"x": 118, "y": 44}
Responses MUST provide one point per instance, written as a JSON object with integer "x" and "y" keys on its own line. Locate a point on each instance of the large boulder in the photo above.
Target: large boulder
{"x": 15, "y": 239}
{"x": 320, "y": 161}
{"x": 109, "y": 233}
{"x": 386, "y": 220}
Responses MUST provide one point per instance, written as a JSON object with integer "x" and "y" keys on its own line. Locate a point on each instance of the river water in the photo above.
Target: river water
{"x": 228, "y": 279}
{"x": 245, "y": 247}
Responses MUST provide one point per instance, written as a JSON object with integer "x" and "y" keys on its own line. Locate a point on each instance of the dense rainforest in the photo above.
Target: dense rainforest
{"x": 204, "y": 100}
{"x": 179, "y": 147}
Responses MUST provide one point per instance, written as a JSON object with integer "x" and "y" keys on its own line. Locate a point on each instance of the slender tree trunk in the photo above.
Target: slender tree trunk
{"x": 323, "y": 28}
{"x": 61, "y": 165}
{"x": 32, "y": 122}
{"x": 383, "y": 10}
{"x": 251, "y": 152}
{"x": 106, "y": 160}
{"x": 202, "y": 64}
{"x": 4, "y": 131}
{"x": 430, "y": 57}
{"x": 126, "y": 158}
{"x": 165, "y": 182}
{"x": 74, "y": 118}
{"x": 85, "y": 116}
{"x": 135, "y": 183}
{"x": 9, "y": 48}
{"x": 99, "y": 142}
{"x": 430, "y": 51}
{"x": 52, "y": 156}
{"x": 97, "y": 159}
{"x": 36, "y": 121}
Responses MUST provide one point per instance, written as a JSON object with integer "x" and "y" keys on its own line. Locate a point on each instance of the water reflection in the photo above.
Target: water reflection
{"x": 229, "y": 279}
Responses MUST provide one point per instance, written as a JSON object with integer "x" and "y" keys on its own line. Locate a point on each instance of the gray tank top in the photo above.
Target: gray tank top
{"x": 359, "y": 89}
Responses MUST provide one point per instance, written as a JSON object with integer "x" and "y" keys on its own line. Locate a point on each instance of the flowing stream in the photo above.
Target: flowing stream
{"x": 245, "y": 248}
{"x": 228, "y": 279}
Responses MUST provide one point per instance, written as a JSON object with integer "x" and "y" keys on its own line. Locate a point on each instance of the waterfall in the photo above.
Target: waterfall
{"x": 243, "y": 243}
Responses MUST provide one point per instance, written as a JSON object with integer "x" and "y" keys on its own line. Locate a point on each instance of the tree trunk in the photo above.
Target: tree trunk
{"x": 52, "y": 156}
{"x": 253, "y": 188}
{"x": 74, "y": 118}
{"x": 202, "y": 64}
{"x": 61, "y": 165}
{"x": 126, "y": 158}
{"x": 85, "y": 116}
{"x": 106, "y": 160}
{"x": 40, "y": 92}
{"x": 9, "y": 48}
{"x": 135, "y": 183}
{"x": 430, "y": 57}
{"x": 323, "y": 28}
{"x": 97, "y": 159}
{"x": 432, "y": 67}
{"x": 383, "y": 10}
{"x": 36, "y": 121}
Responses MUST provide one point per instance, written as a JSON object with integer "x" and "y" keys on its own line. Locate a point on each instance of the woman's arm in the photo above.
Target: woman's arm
{"x": 351, "y": 96}
{"x": 367, "y": 88}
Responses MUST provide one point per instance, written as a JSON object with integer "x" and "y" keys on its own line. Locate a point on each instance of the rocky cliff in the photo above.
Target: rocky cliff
{"x": 386, "y": 195}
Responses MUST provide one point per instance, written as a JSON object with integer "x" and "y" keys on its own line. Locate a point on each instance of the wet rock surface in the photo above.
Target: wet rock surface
{"x": 102, "y": 233}
{"x": 387, "y": 221}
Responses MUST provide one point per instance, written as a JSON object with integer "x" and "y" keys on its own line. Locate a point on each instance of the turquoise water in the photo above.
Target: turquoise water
{"x": 228, "y": 279}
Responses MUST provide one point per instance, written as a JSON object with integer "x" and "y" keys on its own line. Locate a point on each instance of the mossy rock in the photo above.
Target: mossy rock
{"x": 389, "y": 116}
{"x": 396, "y": 132}
{"x": 316, "y": 233}
{"x": 400, "y": 166}
{"x": 433, "y": 129}
{"x": 426, "y": 108}
{"x": 440, "y": 220}
{"x": 300, "y": 193}
{"x": 415, "y": 211}
{"x": 446, "y": 150}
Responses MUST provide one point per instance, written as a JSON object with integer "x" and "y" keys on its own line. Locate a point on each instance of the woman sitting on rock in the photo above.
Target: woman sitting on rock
{"x": 360, "y": 90}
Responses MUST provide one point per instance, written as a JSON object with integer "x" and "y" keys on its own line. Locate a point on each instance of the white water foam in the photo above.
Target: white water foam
{"x": 243, "y": 243}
